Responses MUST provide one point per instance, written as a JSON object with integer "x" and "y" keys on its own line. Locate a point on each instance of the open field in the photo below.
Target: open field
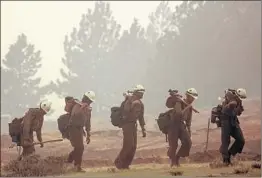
{"x": 151, "y": 150}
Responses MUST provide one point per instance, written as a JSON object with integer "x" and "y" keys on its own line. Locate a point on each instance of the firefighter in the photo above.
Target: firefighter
{"x": 33, "y": 122}
{"x": 231, "y": 108}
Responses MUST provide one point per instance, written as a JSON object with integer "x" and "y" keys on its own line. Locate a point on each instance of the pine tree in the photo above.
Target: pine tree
{"x": 217, "y": 47}
{"x": 20, "y": 87}
{"x": 87, "y": 50}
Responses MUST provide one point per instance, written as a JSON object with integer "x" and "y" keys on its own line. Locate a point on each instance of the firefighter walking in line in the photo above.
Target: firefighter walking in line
{"x": 79, "y": 118}
{"x": 33, "y": 121}
{"x": 231, "y": 108}
{"x": 180, "y": 125}
{"x": 133, "y": 111}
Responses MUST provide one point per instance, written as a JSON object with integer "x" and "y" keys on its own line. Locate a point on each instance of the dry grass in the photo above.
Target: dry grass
{"x": 35, "y": 166}
{"x": 176, "y": 173}
{"x": 55, "y": 166}
{"x": 256, "y": 165}
{"x": 163, "y": 170}
{"x": 217, "y": 163}
{"x": 241, "y": 170}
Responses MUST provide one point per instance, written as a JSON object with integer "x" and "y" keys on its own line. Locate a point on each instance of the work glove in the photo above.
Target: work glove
{"x": 87, "y": 139}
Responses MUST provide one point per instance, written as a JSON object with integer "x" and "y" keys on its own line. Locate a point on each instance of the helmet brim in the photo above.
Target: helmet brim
{"x": 142, "y": 92}
{"x": 46, "y": 111}
{"x": 242, "y": 98}
{"x": 193, "y": 96}
{"x": 91, "y": 99}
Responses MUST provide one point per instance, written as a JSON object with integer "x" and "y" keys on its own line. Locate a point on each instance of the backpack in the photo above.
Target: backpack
{"x": 216, "y": 113}
{"x": 62, "y": 123}
{"x": 15, "y": 130}
{"x": 163, "y": 122}
{"x": 116, "y": 116}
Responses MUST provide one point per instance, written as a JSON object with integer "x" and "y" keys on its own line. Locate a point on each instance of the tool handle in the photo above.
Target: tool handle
{"x": 196, "y": 111}
{"x": 49, "y": 141}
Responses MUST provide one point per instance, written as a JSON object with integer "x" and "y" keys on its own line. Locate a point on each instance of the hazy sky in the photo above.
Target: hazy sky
{"x": 46, "y": 23}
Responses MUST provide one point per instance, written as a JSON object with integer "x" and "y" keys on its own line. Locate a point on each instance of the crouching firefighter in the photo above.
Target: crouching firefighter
{"x": 21, "y": 129}
{"x": 180, "y": 125}
{"x": 79, "y": 118}
{"x": 133, "y": 111}
{"x": 231, "y": 108}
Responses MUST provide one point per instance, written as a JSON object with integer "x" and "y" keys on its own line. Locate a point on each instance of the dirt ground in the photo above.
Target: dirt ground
{"x": 163, "y": 170}
{"x": 105, "y": 145}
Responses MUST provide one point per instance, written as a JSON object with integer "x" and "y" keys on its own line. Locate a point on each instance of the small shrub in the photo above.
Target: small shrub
{"x": 176, "y": 173}
{"x": 241, "y": 170}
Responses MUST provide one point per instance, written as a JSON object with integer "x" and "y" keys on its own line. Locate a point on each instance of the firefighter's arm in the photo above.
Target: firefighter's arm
{"x": 188, "y": 121}
{"x": 28, "y": 118}
{"x": 39, "y": 134}
{"x": 239, "y": 109}
{"x": 141, "y": 118}
{"x": 136, "y": 112}
{"x": 232, "y": 104}
{"x": 232, "y": 100}
{"x": 170, "y": 102}
{"x": 39, "y": 130}
{"x": 178, "y": 109}
{"x": 88, "y": 124}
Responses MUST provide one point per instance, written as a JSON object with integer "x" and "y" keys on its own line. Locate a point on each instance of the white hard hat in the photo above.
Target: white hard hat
{"x": 91, "y": 95}
{"x": 241, "y": 93}
{"x": 46, "y": 106}
{"x": 139, "y": 88}
{"x": 192, "y": 92}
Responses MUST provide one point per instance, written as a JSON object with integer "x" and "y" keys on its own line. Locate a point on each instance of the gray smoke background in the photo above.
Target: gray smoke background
{"x": 210, "y": 46}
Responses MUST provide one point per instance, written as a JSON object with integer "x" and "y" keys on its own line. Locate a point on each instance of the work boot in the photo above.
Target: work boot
{"x": 125, "y": 167}
{"x": 79, "y": 169}
{"x": 227, "y": 161}
{"x": 175, "y": 162}
{"x": 122, "y": 167}
{"x": 118, "y": 164}
{"x": 171, "y": 164}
